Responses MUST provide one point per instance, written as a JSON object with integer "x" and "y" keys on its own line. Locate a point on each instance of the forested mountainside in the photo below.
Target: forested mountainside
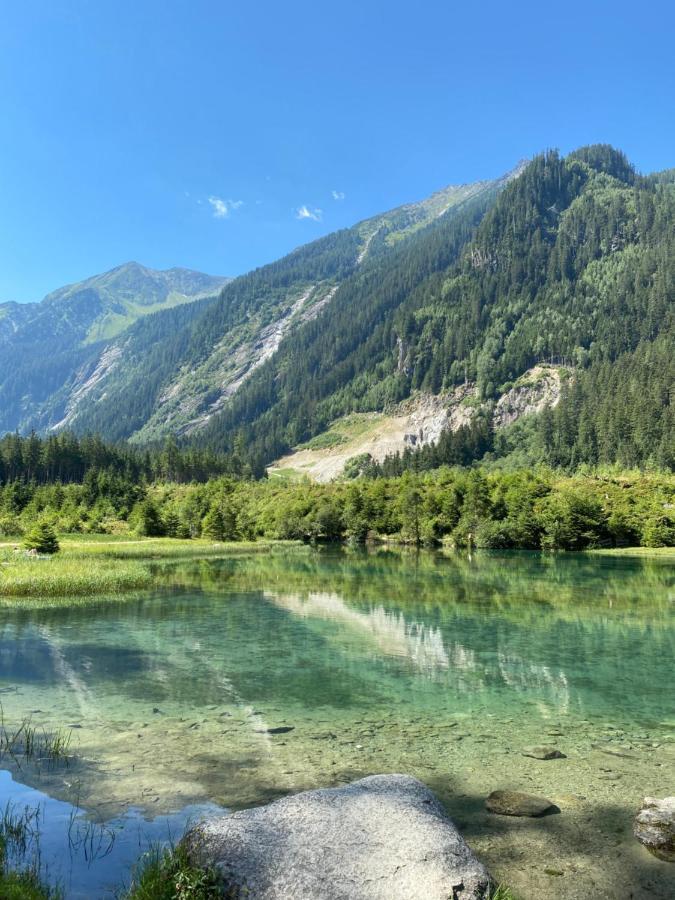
{"x": 46, "y": 347}
{"x": 574, "y": 263}
{"x": 174, "y": 373}
{"x": 564, "y": 265}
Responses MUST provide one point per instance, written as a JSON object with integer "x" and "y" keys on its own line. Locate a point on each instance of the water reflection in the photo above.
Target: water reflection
{"x": 384, "y": 662}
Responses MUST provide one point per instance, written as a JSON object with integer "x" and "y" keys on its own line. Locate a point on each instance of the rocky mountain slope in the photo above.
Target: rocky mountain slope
{"x": 572, "y": 264}
{"x": 173, "y": 374}
{"x": 419, "y": 421}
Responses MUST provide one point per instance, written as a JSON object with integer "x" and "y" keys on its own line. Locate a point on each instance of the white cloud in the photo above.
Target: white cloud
{"x": 338, "y": 195}
{"x": 222, "y": 208}
{"x": 303, "y": 212}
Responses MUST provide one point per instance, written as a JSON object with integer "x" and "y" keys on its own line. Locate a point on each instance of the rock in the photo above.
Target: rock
{"x": 655, "y": 827}
{"x": 610, "y": 751}
{"x": 282, "y": 729}
{"x": 379, "y": 838}
{"x": 514, "y": 803}
{"x": 543, "y": 753}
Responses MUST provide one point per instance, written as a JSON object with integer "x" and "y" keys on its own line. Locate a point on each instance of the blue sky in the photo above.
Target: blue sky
{"x": 220, "y": 135}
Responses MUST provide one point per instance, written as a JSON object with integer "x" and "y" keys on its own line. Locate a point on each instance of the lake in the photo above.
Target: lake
{"x": 236, "y": 681}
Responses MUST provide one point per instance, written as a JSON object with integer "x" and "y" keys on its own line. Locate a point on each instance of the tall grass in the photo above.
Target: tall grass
{"x": 68, "y": 575}
{"x": 30, "y": 742}
{"x": 170, "y": 548}
{"x": 105, "y": 568}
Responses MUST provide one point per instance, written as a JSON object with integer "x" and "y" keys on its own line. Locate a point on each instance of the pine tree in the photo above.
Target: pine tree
{"x": 213, "y": 525}
{"x": 42, "y": 538}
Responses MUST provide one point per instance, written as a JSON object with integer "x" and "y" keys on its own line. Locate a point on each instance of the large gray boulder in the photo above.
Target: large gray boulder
{"x": 385, "y": 837}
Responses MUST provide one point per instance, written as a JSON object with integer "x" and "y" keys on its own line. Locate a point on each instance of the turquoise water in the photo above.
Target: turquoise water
{"x": 442, "y": 667}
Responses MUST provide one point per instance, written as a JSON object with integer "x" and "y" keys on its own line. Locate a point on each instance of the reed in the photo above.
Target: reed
{"x": 69, "y": 576}
{"x": 29, "y": 742}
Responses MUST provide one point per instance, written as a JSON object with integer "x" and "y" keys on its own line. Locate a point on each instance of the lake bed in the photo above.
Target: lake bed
{"x": 236, "y": 681}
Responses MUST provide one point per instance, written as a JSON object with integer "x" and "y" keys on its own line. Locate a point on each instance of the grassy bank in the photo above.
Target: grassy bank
{"x": 105, "y": 565}
{"x": 648, "y": 552}
{"x": 63, "y": 576}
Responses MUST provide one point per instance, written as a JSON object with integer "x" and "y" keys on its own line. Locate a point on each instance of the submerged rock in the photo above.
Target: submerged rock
{"x": 543, "y": 753}
{"x": 515, "y": 803}
{"x": 380, "y": 838}
{"x": 655, "y": 827}
{"x": 281, "y": 729}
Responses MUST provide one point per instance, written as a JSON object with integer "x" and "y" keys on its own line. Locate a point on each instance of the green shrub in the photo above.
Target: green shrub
{"x": 10, "y": 526}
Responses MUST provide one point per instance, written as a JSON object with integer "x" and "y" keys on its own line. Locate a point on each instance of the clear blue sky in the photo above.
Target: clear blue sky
{"x": 191, "y": 132}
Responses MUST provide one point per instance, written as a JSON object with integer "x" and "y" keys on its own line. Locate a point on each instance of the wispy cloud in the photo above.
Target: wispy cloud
{"x": 223, "y": 208}
{"x": 304, "y": 212}
{"x": 338, "y": 195}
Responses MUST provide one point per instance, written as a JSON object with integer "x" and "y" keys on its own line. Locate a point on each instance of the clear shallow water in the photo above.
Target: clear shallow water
{"x": 445, "y": 668}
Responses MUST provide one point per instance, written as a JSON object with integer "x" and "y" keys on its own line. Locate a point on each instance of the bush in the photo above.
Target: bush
{"x": 572, "y": 522}
{"x": 10, "y": 526}
{"x": 148, "y": 520}
{"x": 658, "y": 531}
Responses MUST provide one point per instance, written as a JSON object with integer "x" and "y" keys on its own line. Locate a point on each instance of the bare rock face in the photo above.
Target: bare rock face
{"x": 655, "y": 827}
{"x": 515, "y": 803}
{"x": 385, "y": 837}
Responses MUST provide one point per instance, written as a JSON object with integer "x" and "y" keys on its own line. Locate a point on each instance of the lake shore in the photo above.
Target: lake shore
{"x": 112, "y": 565}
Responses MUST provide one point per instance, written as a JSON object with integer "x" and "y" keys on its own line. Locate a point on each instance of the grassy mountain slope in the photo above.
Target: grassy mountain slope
{"x": 45, "y": 345}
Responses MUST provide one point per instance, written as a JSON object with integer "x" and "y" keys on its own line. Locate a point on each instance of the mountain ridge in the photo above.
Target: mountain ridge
{"x": 44, "y": 343}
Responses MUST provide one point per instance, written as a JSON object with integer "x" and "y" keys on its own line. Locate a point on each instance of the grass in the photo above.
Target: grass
{"x": 30, "y": 742}
{"x": 67, "y": 576}
{"x": 663, "y": 552}
{"x": 166, "y": 548}
{"x": 325, "y": 441}
{"x": 100, "y": 566}
{"x": 19, "y": 877}
{"x": 502, "y": 893}
{"x": 169, "y": 875}
{"x": 25, "y": 884}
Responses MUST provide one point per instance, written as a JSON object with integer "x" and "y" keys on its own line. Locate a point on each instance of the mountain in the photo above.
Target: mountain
{"x": 173, "y": 373}
{"x": 44, "y": 345}
{"x": 529, "y": 317}
{"x": 571, "y": 264}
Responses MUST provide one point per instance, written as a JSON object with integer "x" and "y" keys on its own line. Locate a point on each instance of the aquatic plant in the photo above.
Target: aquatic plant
{"x": 168, "y": 874}
{"x": 94, "y": 839}
{"x": 20, "y": 877}
{"x": 502, "y": 893}
{"x": 31, "y": 742}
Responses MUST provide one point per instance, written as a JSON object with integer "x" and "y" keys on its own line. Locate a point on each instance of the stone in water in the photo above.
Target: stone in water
{"x": 515, "y": 803}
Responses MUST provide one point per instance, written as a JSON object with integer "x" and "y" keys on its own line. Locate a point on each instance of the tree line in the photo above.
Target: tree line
{"x": 525, "y": 509}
